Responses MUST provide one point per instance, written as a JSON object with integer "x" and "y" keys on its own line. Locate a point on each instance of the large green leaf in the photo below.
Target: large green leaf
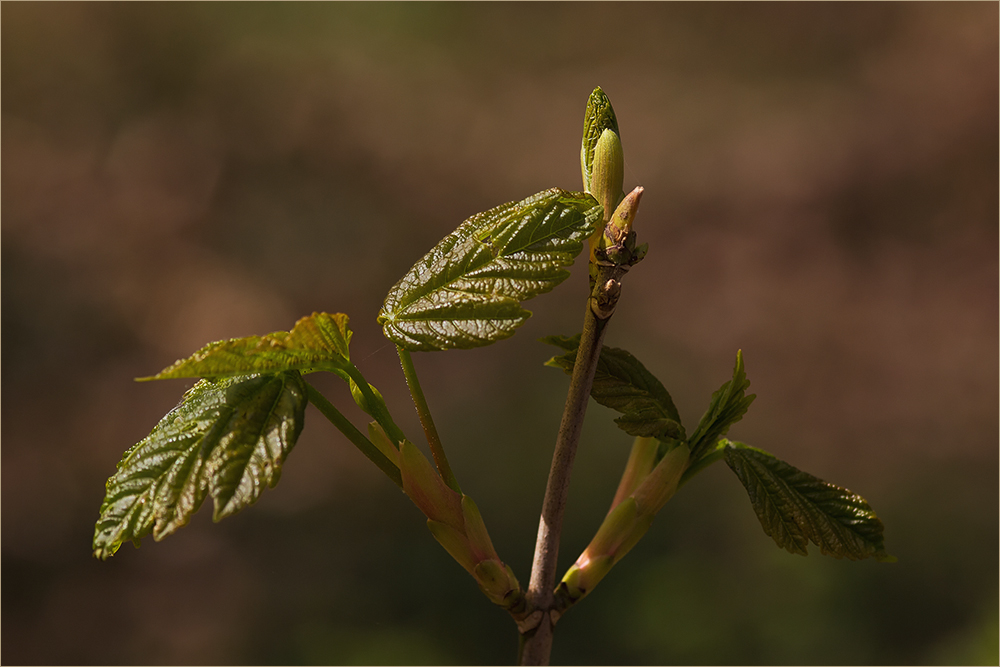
{"x": 466, "y": 291}
{"x": 226, "y": 439}
{"x": 796, "y": 508}
{"x": 317, "y": 342}
{"x": 622, "y": 383}
{"x": 728, "y": 406}
{"x": 599, "y": 116}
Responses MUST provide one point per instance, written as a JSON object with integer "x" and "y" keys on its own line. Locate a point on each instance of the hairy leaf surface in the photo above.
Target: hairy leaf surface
{"x": 728, "y": 406}
{"x": 226, "y": 439}
{"x": 466, "y": 291}
{"x": 599, "y": 116}
{"x": 622, "y": 383}
{"x": 317, "y": 342}
{"x": 796, "y": 508}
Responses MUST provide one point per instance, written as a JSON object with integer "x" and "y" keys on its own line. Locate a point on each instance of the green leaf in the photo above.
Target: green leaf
{"x": 317, "y": 342}
{"x": 728, "y": 406}
{"x": 226, "y": 439}
{"x": 599, "y": 116}
{"x": 796, "y": 508}
{"x": 466, "y": 291}
{"x": 622, "y": 383}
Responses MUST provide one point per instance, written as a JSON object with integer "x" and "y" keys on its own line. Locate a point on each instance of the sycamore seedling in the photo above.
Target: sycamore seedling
{"x": 231, "y": 433}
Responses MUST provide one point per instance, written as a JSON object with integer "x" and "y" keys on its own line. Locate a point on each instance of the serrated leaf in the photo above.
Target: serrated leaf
{"x": 622, "y": 383}
{"x": 796, "y": 508}
{"x": 599, "y": 116}
{"x": 728, "y": 406}
{"x": 227, "y": 439}
{"x": 466, "y": 291}
{"x": 319, "y": 341}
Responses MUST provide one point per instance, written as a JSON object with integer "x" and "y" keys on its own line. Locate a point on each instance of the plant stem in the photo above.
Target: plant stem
{"x": 536, "y": 646}
{"x": 376, "y": 406}
{"x": 426, "y": 421}
{"x": 354, "y": 435}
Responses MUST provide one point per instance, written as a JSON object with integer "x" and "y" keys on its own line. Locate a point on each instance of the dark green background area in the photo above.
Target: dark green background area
{"x": 821, "y": 192}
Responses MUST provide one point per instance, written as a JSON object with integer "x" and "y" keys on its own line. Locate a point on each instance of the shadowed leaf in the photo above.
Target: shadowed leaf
{"x": 622, "y": 383}
{"x": 728, "y": 406}
{"x": 227, "y": 439}
{"x": 796, "y": 508}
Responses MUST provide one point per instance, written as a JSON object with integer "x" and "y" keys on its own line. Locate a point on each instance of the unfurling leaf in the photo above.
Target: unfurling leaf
{"x": 466, "y": 291}
{"x": 728, "y": 406}
{"x": 796, "y": 508}
{"x": 599, "y": 116}
{"x": 317, "y": 342}
{"x": 227, "y": 439}
{"x": 622, "y": 383}
{"x": 608, "y": 172}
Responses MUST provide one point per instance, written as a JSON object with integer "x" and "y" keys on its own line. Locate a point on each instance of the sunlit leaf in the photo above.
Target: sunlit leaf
{"x": 466, "y": 291}
{"x": 599, "y": 116}
{"x": 728, "y": 406}
{"x": 317, "y": 342}
{"x": 227, "y": 439}
{"x": 622, "y": 383}
{"x": 796, "y": 508}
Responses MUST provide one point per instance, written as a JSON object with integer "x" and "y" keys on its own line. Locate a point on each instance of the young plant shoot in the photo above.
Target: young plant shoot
{"x": 229, "y": 436}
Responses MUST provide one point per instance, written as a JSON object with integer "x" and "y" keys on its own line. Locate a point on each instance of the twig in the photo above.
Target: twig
{"x": 537, "y": 642}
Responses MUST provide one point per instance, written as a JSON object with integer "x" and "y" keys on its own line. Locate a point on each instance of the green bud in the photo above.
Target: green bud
{"x": 360, "y": 399}
{"x": 455, "y": 543}
{"x": 661, "y": 484}
{"x": 475, "y": 531}
{"x": 606, "y": 180}
{"x": 609, "y": 172}
{"x": 640, "y": 253}
{"x": 381, "y": 440}
{"x": 599, "y": 116}
{"x": 427, "y": 490}
{"x": 640, "y": 463}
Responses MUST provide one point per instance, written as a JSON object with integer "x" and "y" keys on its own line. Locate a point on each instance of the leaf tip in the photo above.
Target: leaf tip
{"x": 102, "y": 553}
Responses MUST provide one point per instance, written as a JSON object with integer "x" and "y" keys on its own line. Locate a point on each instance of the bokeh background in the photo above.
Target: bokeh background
{"x": 821, "y": 192}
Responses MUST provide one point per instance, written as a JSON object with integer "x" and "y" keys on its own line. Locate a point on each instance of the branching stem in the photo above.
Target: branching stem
{"x": 537, "y": 643}
{"x": 426, "y": 421}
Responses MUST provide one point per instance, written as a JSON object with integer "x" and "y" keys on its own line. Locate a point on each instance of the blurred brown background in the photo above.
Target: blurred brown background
{"x": 821, "y": 191}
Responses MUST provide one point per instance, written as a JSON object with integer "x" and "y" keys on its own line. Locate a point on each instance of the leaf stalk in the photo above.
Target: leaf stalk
{"x": 353, "y": 434}
{"x": 377, "y": 407}
{"x": 426, "y": 421}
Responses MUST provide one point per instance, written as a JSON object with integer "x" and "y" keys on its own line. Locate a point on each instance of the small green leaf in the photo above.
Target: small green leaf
{"x": 796, "y": 508}
{"x": 728, "y": 406}
{"x": 317, "y": 342}
{"x": 622, "y": 383}
{"x": 226, "y": 439}
{"x": 599, "y": 116}
{"x": 466, "y": 291}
